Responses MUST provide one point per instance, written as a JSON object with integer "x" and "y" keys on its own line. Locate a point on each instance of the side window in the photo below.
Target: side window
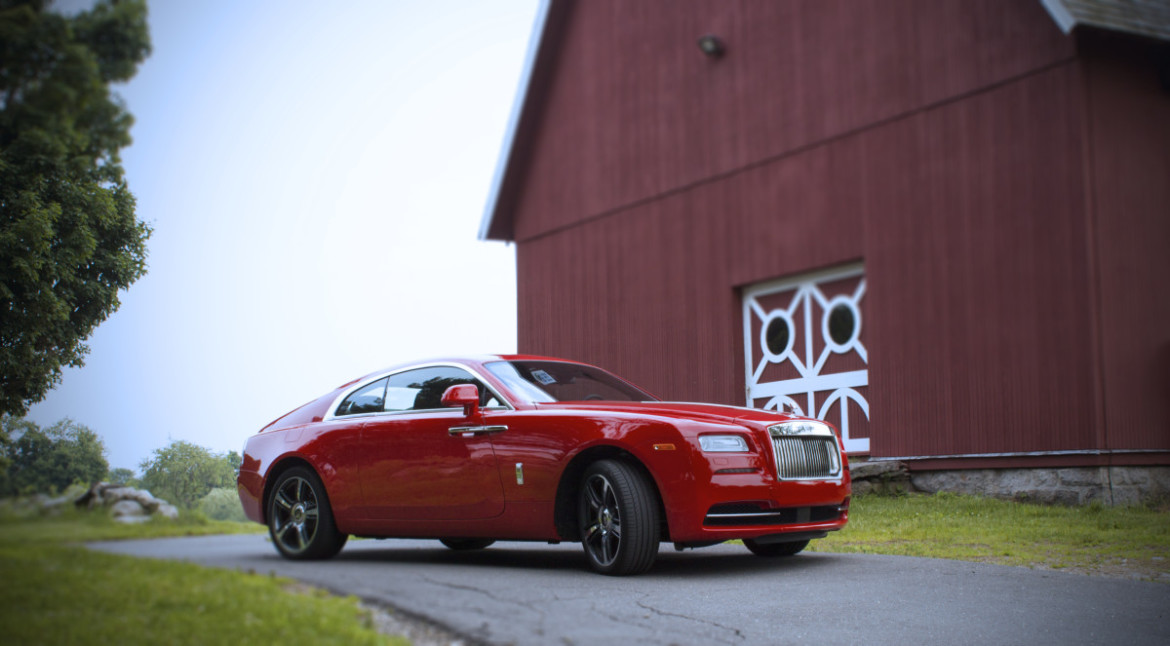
{"x": 423, "y": 389}
{"x": 369, "y": 399}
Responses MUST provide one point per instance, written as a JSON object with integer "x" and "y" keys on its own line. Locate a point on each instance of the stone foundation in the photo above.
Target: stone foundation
{"x": 1128, "y": 485}
{"x": 885, "y": 478}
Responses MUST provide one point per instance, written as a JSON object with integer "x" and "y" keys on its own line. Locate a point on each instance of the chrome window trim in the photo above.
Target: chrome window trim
{"x": 331, "y": 415}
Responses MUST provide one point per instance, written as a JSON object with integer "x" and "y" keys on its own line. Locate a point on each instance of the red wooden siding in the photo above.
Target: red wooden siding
{"x": 976, "y": 341}
{"x": 1130, "y": 174}
{"x": 979, "y": 282}
{"x": 636, "y": 110}
{"x": 1006, "y": 192}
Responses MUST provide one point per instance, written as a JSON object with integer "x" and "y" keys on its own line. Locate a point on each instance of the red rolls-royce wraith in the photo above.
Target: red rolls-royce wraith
{"x": 474, "y": 450}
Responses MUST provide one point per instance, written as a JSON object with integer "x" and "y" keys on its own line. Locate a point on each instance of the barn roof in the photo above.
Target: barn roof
{"x": 1148, "y": 18}
{"x": 497, "y": 217}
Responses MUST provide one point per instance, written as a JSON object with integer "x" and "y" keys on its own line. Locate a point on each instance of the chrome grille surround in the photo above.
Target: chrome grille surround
{"x": 805, "y": 457}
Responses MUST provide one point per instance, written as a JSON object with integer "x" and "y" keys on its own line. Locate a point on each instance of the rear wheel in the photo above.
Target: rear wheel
{"x": 775, "y": 549}
{"x": 300, "y": 519}
{"x": 466, "y": 544}
{"x": 618, "y": 514}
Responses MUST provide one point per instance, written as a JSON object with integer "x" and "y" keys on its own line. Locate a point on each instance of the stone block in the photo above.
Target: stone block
{"x": 127, "y": 508}
{"x": 880, "y": 469}
{"x": 862, "y": 487}
{"x": 1082, "y": 476}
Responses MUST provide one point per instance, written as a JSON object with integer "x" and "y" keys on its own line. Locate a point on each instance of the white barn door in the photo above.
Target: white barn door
{"x": 803, "y": 349}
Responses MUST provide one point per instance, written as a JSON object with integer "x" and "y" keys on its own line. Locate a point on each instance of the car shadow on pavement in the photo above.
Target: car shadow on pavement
{"x": 566, "y": 558}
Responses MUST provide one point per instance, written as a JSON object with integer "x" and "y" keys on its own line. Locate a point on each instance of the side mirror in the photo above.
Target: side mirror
{"x": 465, "y": 395}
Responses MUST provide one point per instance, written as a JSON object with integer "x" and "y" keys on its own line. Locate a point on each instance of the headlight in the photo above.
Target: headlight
{"x": 723, "y": 443}
{"x": 801, "y": 428}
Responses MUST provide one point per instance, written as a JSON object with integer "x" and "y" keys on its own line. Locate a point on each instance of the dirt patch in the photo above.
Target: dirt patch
{"x": 420, "y": 632}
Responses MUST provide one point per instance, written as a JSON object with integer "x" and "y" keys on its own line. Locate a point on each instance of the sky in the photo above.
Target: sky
{"x": 315, "y": 175}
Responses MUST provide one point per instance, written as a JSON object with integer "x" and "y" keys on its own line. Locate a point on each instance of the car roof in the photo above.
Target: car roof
{"x": 469, "y": 360}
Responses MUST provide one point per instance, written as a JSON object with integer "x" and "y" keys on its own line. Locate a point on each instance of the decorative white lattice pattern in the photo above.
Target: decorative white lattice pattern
{"x": 803, "y": 348}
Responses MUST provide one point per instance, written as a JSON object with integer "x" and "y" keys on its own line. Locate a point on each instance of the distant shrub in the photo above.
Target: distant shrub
{"x": 183, "y": 473}
{"x": 222, "y": 504}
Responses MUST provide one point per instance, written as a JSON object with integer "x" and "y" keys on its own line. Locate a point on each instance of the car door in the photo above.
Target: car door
{"x": 414, "y": 467}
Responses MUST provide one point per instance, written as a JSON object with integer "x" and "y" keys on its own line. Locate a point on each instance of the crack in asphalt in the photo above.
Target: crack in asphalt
{"x": 616, "y": 619}
{"x": 487, "y": 593}
{"x": 736, "y": 636}
{"x": 662, "y": 613}
{"x": 541, "y": 614}
{"x": 637, "y": 622}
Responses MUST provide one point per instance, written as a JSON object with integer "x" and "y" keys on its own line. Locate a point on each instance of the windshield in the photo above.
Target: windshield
{"x": 561, "y": 381}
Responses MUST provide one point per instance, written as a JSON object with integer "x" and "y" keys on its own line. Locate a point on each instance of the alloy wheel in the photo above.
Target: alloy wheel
{"x": 603, "y": 534}
{"x": 295, "y": 515}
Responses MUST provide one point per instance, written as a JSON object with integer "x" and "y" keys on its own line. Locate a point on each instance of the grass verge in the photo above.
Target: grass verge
{"x": 1132, "y": 542}
{"x": 57, "y": 592}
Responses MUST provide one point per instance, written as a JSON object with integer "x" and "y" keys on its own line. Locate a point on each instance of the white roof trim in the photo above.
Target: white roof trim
{"x": 1060, "y": 14}
{"x": 534, "y": 43}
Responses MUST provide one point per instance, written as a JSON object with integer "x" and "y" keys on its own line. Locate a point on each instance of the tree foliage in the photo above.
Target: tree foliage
{"x": 182, "y": 473}
{"x": 5, "y": 462}
{"x": 122, "y": 476}
{"x": 69, "y": 237}
{"x": 222, "y": 503}
{"x": 49, "y": 460}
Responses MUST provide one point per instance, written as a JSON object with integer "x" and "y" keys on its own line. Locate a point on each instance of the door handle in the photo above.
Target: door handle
{"x": 467, "y": 431}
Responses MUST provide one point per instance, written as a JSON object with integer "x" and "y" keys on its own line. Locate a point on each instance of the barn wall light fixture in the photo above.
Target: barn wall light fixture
{"x": 711, "y": 45}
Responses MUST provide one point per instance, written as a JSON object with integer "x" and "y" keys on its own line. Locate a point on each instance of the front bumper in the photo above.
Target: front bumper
{"x": 753, "y": 505}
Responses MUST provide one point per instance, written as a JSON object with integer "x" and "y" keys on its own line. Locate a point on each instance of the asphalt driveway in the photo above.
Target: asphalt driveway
{"x": 526, "y": 593}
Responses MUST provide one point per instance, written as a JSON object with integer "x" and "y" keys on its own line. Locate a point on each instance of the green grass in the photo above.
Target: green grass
{"x": 1115, "y": 541}
{"x": 81, "y": 526}
{"x": 57, "y": 592}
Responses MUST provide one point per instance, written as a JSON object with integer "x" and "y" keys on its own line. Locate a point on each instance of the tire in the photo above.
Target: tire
{"x": 617, "y": 509}
{"x": 466, "y": 544}
{"x": 300, "y": 520}
{"x": 775, "y": 549}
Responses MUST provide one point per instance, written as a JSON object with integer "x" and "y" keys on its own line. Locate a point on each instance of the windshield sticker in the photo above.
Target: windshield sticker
{"x": 543, "y": 377}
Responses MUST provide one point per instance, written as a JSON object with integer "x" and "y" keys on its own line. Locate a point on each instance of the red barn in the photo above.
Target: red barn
{"x": 942, "y": 225}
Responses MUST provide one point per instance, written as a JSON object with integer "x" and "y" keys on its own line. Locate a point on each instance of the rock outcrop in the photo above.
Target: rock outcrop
{"x": 126, "y": 504}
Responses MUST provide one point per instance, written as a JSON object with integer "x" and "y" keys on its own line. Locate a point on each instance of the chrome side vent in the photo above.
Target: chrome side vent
{"x": 807, "y": 457}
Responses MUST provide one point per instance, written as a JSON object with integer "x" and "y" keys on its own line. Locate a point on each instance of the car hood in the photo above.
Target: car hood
{"x": 680, "y": 410}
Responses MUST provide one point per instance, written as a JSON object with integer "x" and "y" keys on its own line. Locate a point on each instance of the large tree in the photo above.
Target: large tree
{"x": 69, "y": 237}
{"x": 49, "y": 460}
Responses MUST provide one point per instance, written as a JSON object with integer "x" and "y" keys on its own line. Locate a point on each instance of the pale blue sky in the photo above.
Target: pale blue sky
{"x": 315, "y": 175}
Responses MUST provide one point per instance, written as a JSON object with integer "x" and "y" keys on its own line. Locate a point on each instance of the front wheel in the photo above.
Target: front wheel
{"x": 775, "y": 549}
{"x": 300, "y": 519}
{"x": 618, "y": 514}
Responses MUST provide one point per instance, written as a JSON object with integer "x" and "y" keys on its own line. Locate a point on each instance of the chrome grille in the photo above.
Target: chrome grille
{"x": 805, "y": 457}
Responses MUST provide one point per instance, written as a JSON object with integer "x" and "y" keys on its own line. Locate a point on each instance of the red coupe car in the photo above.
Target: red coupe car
{"x": 471, "y": 451}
